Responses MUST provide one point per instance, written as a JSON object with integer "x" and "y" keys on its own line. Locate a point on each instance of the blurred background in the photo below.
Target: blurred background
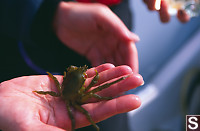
{"x": 169, "y": 58}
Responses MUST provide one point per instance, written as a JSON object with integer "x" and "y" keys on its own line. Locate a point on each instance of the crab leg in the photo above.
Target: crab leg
{"x": 91, "y": 93}
{"x": 93, "y": 82}
{"x": 85, "y": 112}
{"x": 56, "y": 81}
{"x": 48, "y": 92}
{"x": 69, "y": 110}
{"x": 99, "y": 88}
{"x": 101, "y": 98}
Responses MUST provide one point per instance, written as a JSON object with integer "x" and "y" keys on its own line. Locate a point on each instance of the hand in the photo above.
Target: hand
{"x": 163, "y": 12}
{"x": 21, "y": 109}
{"x": 95, "y": 32}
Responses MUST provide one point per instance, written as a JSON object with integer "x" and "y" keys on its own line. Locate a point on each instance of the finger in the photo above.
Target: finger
{"x": 103, "y": 110}
{"x": 116, "y": 27}
{"x": 131, "y": 82}
{"x": 157, "y": 4}
{"x": 128, "y": 56}
{"x": 91, "y": 72}
{"x": 183, "y": 16}
{"x": 151, "y": 4}
{"x": 111, "y": 74}
{"x": 134, "y": 37}
{"x": 163, "y": 12}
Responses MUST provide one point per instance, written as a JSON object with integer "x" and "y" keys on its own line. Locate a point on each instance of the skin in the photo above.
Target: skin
{"x": 22, "y": 110}
{"x": 74, "y": 92}
{"x": 95, "y": 32}
{"x": 85, "y": 28}
{"x": 163, "y": 12}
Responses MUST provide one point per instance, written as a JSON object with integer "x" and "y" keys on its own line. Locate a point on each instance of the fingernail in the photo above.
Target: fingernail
{"x": 141, "y": 79}
{"x": 132, "y": 36}
{"x": 137, "y": 38}
{"x": 142, "y": 83}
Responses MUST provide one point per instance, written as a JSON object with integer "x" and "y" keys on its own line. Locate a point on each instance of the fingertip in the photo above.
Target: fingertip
{"x": 125, "y": 69}
{"x": 131, "y": 102}
{"x": 91, "y": 72}
{"x": 157, "y": 4}
{"x": 183, "y": 16}
{"x": 151, "y": 5}
{"x": 136, "y": 101}
{"x": 163, "y": 12}
{"x": 129, "y": 56}
{"x": 104, "y": 67}
{"x": 138, "y": 79}
{"x": 134, "y": 37}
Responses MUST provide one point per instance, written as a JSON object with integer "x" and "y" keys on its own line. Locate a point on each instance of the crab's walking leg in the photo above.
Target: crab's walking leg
{"x": 69, "y": 110}
{"x": 81, "y": 109}
{"x": 93, "y": 82}
{"x": 101, "y": 98}
{"x": 99, "y": 88}
{"x": 48, "y": 92}
{"x": 88, "y": 96}
{"x": 56, "y": 81}
{"x": 91, "y": 93}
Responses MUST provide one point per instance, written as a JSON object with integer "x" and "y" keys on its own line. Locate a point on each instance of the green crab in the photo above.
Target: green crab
{"x": 73, "y": 92}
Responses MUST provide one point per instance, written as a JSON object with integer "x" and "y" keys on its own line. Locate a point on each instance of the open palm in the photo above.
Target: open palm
{"x": 95, "y": 32}
{"x": 21, "y": 109}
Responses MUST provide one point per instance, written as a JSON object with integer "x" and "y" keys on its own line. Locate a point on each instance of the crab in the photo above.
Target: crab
{"x": 73, "y": 92}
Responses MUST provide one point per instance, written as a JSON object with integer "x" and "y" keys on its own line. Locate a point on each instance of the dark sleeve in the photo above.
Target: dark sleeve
{"x": 41, "y": 28}
{"x": 17, "y": 16}
{"x": 123, "y": 11}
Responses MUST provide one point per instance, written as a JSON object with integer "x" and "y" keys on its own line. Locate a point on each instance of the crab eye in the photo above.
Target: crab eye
{"x": 85, "y": 75}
